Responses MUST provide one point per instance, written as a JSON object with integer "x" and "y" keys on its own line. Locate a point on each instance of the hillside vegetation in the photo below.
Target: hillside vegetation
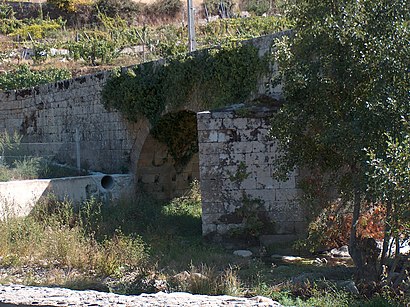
{"x": 107, "y": 34}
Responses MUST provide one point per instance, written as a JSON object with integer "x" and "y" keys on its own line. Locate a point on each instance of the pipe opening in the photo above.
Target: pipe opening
{"x": 107, "y": 182}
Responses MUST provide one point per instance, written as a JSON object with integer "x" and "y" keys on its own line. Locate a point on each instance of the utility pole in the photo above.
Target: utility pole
{"x": 191, "y": 27}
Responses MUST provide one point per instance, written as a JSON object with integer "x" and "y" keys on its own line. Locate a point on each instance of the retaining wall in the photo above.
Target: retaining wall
{"x": 48, "y": 116}
{"x": 17, "y": 198}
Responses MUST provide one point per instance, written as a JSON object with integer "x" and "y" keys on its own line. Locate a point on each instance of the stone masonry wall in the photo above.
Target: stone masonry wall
{"x": 48, "y": 116}
{"x": 157, "y": 173}
{"x": 237, "y": 160}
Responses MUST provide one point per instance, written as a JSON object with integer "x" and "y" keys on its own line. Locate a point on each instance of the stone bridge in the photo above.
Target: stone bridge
{"x": 234, "y": 163}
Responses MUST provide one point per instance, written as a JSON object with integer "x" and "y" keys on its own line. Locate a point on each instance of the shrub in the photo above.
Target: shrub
{"x": 37, "y": 29}
{"x": 69, "y": 5}
{"x": 24, "y": 77}
{"x": 94, "y": 51}
{"x": 224, "y": 8}
{"x": 8, "y": 23}
{"x": 165, "y": 8}
{"x": 258, "y": 7}
{"x": 126, "y": 9}
{"x": 27, "y": 168}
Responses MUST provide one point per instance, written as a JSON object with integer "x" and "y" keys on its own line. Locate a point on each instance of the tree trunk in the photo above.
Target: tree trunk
{"x": 363, "y": 251}
{"x": 387, "y": 236}
{"x": 354, "y": 249}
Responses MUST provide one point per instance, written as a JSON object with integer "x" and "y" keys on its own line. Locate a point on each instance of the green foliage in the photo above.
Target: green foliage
{"x": 55, "y": 233}
{"x": 8, "y": 23}
{"x": 240, "y": 175}
{"x": 222, "y": 8}
{"x": 346, "y": 81}
{"x": 37, "y": 28}
{"x": 127, "y": 9}
{"x": 24, "y": 77}
{"x": 27, "y": 168}
{"x": 70, "y": 6}
{"x": 225, "y": 30}
{"x": 258, "y": 7}
{"x": 165, "y": 8}
{"x": 183, "y": 214}
{"x": 94, "y": 50}
{"x": 6, "y": 11}
{"x": 179, "y": 132}
{"x": 209, "y": 79}
{"x": 9, "y": 142}
{"x": 390, "y": 176}
{"x": 255, "y": 221}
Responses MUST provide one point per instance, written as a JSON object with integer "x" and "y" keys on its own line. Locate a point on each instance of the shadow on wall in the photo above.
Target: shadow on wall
{"x": 76, "y": 189}
{"x": 168, "y": 162}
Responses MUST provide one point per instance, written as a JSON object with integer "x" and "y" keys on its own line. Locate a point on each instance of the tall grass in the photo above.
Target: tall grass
{"x": 54, "y": 235}
{"x": 143, "y": 245}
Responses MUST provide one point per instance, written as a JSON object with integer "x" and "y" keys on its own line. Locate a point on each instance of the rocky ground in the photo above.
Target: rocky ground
{"x": 18, "y": 295}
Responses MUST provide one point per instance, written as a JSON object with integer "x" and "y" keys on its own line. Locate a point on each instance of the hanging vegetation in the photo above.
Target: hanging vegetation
{"x": 208, "y": 79}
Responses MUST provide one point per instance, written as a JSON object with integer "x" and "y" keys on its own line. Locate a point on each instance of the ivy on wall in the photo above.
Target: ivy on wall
{"x": 204, "y": 80}
{"x": 178, "y": 131}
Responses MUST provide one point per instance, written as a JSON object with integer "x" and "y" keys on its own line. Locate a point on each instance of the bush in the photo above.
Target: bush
{"x": 24, "y": 77}
{"x": 8, "y": 23}
{"x": 223, "y": 8}
{"x": 94, "y": 50}
{"x": 126, "y": 9}
{"x": 258, "y": 7}
{"x": 36, "y": 29}
{"x": 165, "y": 8}
{"x": 69, "y": 5}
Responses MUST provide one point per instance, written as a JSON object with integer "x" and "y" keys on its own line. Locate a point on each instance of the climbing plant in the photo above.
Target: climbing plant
{"x": 179, "y": 132}
{"x": 207, "y": 79}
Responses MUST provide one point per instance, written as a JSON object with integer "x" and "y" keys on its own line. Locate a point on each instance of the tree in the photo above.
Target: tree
{"x": 346, "y": 84}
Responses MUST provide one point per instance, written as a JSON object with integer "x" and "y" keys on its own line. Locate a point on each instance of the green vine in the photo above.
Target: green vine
{"x": 179, "y": 132}
{"x": 240, "y": 175}
{"x": 207, "y": 79}
{"x": 254, "y": 217}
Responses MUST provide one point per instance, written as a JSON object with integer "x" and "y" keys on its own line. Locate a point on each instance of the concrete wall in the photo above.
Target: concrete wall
{"x": 239, "y": 194}
{"x": 17, "y": 198}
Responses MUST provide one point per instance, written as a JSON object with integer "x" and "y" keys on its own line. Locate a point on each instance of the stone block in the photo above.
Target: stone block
{"x": 213, "y": 207}
{"x": 208, "y": 228}
{"x": 210, "y": 218}
{"x": 209, "y": 124}
{"x": 222, "y": 114}
{"x": 267, "y": 197}
{"x": 286, "y": 195}
{"x": 290, "y": 183}
{"x": 207, "y": 136}
{"x": 203, "y": 115}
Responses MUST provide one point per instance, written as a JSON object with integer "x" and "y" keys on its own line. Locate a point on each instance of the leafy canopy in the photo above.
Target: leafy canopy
{"x": 346, "y": 83}
{"x": 346, "y": 79}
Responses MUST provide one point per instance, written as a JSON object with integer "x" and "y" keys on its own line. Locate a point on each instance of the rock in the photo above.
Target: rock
{"x": 265, "y": 300}
{"x": 243, "y": 253}
{"x": 245, "y": 14}
{"x": 291, "y": 258}
{"x": 341, "y": 252}
{"x": 184, "y": 276}
{"x": 320, "y": 261}
{"x": 17, "y": 295}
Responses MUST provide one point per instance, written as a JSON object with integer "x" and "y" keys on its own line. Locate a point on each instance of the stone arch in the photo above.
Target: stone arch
{"x": 166, "y": 168}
